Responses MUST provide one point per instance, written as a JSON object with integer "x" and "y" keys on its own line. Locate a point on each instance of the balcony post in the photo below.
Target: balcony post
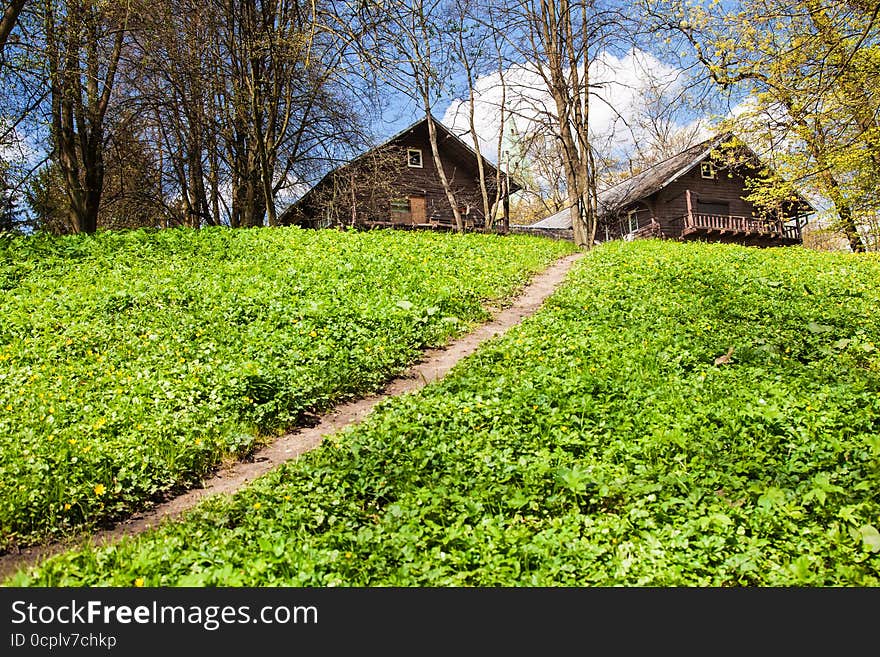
{"x": 689, "y": 220}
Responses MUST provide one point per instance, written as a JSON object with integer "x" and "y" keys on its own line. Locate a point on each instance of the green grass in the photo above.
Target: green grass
{"x": 132, "y": 363}
{"x": 597, "y": 444}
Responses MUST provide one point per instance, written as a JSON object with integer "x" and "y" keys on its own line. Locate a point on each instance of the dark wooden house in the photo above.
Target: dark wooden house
{"x": 397, "y": 184}
{"x": 698, "y": 194}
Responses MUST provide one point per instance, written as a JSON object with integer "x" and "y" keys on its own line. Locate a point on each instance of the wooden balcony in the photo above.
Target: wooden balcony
{"x": 740, "y": 229}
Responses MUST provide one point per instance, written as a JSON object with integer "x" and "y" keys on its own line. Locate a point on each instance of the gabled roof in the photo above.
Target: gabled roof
{"x": 445, "y": 137}
{"x": 657, "y": 176}
{"x": 442, "y": 132}
{"x": 646, "y": 182}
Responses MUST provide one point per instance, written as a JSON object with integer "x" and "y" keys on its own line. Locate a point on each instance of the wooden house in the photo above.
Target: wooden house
{"x": 397, "y": 184}
{"x": 698, "y": 194}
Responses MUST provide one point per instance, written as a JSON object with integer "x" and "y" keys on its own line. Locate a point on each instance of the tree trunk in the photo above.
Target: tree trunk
{"x": 9, "y": 19}
{"x": 444, "y": 181}
{"x": 81, "y": 82}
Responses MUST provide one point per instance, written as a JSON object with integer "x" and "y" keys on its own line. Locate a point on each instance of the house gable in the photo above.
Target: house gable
{"x": 699, "y": 193}
{"x": 398, "y": 183}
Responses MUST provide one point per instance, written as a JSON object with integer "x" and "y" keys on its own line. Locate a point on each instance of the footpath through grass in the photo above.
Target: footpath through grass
{"x": 132, "y": 363}
{"x": 596, "y": 444}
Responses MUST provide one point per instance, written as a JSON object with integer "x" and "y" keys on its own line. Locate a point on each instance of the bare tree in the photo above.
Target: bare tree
{"x": 560, "y": 37}
{"x": 83, "y": 46}
{"x": 475, "y": 29}
{"x": 407, "y": 44}
{"x": 245, "y": 99}
{"x": 9, "y": 20}
{"x": 356, "y": 193}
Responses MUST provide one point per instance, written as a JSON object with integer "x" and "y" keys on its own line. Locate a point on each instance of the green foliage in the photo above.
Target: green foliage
{"x": 132, "y": 363}
{"x": 806, "y": 70}
{"x": 596, "y": 444}
{"x": 45, "y": 196}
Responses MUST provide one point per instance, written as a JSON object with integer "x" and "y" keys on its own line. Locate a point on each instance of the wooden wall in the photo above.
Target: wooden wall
{"x": 669, "y": 205}
{"x": 374, "y": 201}
{"x": 461, "y": 172}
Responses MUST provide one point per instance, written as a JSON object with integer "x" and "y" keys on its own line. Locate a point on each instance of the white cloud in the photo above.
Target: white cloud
{"x": 625, "y": 87}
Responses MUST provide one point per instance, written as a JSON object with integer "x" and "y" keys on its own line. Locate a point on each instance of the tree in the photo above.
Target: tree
{"x": 47, "y": 202}
{"x": 358, "y": 191}
{"x": 407, "y": 44}
{"x": 475, "y": 29}
{"x": 9, "y": 20}
{"x": 807, "y": 67}
{"x": 244, "y": 100}
{"x": 561, "y": 38}
{"x": 83, "y": 45}
{"x": 9, "y": 210}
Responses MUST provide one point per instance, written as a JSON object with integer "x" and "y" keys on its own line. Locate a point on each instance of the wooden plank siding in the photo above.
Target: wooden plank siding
{"x": 425, "y": 182}
{"x": 695, "y": 207}
{"x": 408, "y": 195}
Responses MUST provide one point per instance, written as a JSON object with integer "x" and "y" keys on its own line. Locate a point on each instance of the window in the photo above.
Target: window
{"x": 400, "y": 206}
{"x": 414, "y": 158}
{"x": 714, "y": 208}
{"x": 707, "y": 170}
{"x": 632, "y": 221}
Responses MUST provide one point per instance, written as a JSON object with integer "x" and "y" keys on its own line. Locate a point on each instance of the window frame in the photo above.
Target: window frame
{"x": 707, "y": 170}
{"x": 401, "y": 205}
{"x": 409, "y": 159}
{"x": 632, "y": 221}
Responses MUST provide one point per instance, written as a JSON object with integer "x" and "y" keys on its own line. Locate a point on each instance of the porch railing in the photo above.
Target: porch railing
{"x": 730, "y": 223}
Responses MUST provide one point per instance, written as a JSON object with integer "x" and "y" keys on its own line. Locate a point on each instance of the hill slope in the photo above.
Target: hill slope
{"x": 698, "y": 415}
{"x": 132, "y": 363}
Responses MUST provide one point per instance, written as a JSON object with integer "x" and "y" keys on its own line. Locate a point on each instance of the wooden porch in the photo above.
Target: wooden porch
{"x": 741, "y": 229}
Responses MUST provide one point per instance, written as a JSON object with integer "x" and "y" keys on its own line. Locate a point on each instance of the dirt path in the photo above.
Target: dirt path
{"x": 434, "y": 365}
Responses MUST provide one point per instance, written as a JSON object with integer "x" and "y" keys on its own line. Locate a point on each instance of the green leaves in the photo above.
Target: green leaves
{"x": 821, "y": 488}
{"x": 593, "y": 445}
{"x": 870, "y": 538}
{"x": 814, "y": 327}
{"x": 141, "y": 360}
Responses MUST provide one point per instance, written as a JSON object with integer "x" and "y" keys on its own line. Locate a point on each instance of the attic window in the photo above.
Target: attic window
{"x": 707, "y": 170}
{"x": 414, "y": 158}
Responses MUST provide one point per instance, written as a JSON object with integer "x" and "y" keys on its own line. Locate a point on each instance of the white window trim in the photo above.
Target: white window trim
{"x": 706, "y": 163}
{"x": 632, "y": 221}
{"x": 409, "y": 163}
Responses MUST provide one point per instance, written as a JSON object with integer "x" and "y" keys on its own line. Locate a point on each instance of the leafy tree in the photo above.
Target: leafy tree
{"x": 9, "y": 211}
{"x": 808, "y": 69}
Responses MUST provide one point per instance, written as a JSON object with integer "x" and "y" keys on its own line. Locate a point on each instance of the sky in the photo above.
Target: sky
{"x": 626, "y": 85}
